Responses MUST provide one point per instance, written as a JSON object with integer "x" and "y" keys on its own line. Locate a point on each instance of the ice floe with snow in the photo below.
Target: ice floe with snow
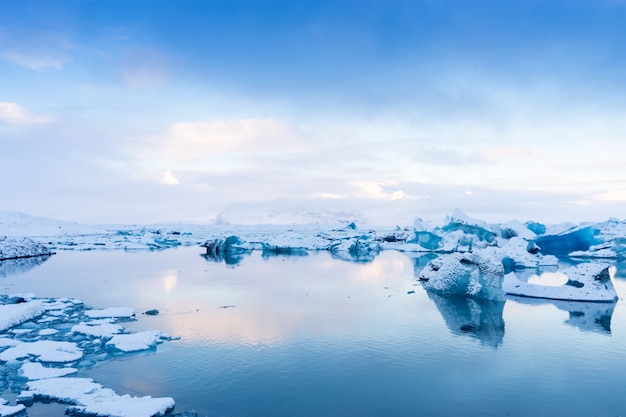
{"x": 585, "y": 282}
{"x": 478, "y": 274}
{"x": 45, "y": 340}
{"x": 21, "y": 247}
{"x": 89, "y": 398}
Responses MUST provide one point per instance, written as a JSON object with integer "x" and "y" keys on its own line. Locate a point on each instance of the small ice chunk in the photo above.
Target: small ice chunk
{"x": 113, "y": 312}
{"x": 91, "y": 398}
{"x": 35, "y": 370}
{"x": 137, "y": 341}
{"x": 10, "y": 410}
{"x": 98, "y": 328}
{"x": 586, "y": 282}
{"x": 15, "y": 314}
{"x": 48, "y": 332}
{"x": 44, "y": 350}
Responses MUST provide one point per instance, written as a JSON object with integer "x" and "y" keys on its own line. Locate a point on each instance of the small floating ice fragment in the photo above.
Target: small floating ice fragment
{"x": 35, "y": 370}
{"x": 137, "y": 341}
{"x": 112, "y": 312}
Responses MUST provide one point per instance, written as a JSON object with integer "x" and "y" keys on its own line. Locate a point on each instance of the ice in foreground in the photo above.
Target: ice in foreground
{"x": 35, "y": 345}
{"x": 586, "y": 282}
{"x": 92, "y": 399}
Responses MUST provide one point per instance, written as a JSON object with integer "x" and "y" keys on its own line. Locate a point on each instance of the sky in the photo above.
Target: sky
{"x": 140, "y": 111}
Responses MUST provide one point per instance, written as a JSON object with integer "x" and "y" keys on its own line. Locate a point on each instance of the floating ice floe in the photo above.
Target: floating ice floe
{"x": 137, "y": 341}
{"x": 10, "y": 410}
{"x": 35, "y": 370}
{"x": 586, "y": 282}
{"x": 89, "y": 398}
{"x": 116, "y": 312}
{"x": 14, "y": 314}
{"x": 35, "y": 345}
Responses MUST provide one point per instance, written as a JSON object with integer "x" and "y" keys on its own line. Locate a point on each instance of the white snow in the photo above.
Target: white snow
{"x": 22, "y": 247}
{"x": 111, "y": 312}
{"x": 477, "y": 275}
{"x": 90, "y": 398}
{"x": 35, "y": 370}
{"x": 43, "y": 350}
{"x": 10, "y": 410}
{"x": 14, "y": 314}
{"x": 98, "y": 328}
{"x": 586, "y": 282}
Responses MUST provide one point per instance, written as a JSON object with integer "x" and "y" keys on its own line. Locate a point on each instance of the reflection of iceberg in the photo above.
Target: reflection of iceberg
{"x": 230, "y": 250}
{"x": 226, "y": 257}
{"x": 359, "y": 249}
{"x": 419, "y": 261}
{"x": 481, "y": 319}
{"x": 586, "y": 316}
{"x": 20, "y": 265}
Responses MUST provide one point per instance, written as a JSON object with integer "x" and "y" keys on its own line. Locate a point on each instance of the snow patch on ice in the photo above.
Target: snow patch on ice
{"x": 92, "y": 399}
{"x": 111, "y": 312}
{"x": 586, "y": 282}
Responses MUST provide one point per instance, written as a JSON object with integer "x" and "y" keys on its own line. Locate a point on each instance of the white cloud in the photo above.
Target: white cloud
{"x": 35, "y": 61}
{"x": 143, "y": 68}
{"x": 187, "y": 142}
{"x": 169, "y": 178}
{"x": 14, "y": 114}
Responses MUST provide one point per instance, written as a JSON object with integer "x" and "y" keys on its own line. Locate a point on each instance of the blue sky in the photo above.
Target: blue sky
{"x": 135, "y": 111}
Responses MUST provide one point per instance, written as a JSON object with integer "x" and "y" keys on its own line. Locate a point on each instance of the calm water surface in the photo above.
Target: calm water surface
{"x": 315, "y": 336}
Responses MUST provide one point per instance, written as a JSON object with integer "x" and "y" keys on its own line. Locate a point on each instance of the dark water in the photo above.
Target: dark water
{"x": 315, "y": 336}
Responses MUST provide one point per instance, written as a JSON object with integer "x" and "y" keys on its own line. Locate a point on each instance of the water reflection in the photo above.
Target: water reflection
{"x": 226, "y": 257}
{"x": 419, "y": 260}
{"x": 480, "y": 319}
{"x": 20, "y": 265}
{"x": 585, "y": 316}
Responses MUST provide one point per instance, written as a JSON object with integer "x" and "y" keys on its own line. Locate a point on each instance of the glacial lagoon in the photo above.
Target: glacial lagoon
{"x": 317, "y": 336}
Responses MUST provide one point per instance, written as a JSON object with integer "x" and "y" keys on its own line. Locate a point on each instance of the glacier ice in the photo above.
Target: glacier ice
{"x": 478, "y": 275}
{"x": 586, "y": 282}
{"x": 22, "y": 247}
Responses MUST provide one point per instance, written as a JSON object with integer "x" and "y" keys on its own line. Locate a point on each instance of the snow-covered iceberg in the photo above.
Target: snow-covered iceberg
{"x": 478, "y": 275}
{"x": 22, "y": 247}
{"x": 586, "y": 282}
